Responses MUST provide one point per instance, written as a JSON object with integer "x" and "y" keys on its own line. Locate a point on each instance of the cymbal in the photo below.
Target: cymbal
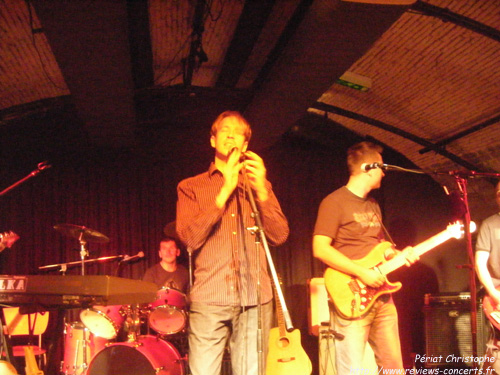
{"x": 81, "y": 233}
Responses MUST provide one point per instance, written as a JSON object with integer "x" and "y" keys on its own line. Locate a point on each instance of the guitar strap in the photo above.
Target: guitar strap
{"x": 386, "y": 232}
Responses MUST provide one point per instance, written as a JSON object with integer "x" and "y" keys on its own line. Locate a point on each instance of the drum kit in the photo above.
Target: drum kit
{"x": 126, "y": 339}
{"x": 92, "y": 346}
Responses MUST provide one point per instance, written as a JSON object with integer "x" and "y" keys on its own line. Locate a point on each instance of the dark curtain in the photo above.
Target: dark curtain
{"x": 130, "y": 196}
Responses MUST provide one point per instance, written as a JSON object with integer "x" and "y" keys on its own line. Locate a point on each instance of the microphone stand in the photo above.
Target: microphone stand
{"x": 40, "y": 167}
{"x": 79, "y": 262}
{"x": 462, "y": 186}
{"x": 461, "y": 180}
{"x": 260, "y": 239}
{"x": 190, "y": 265}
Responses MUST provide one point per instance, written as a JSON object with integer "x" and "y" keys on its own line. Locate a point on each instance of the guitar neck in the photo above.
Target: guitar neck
{"x": 279, "y": 312}
{"x": 420, "y": 249}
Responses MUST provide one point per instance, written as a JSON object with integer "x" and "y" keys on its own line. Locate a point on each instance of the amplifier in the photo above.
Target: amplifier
{"x": 448, "y": 329}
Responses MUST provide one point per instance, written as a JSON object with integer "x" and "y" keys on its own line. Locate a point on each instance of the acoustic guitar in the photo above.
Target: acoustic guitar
{"x": 352, "y": 299}
{"x": 286, "y": 355}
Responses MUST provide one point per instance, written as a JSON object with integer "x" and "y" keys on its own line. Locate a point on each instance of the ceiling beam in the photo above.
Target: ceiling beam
{"x": 449, "y": 16}
{"x": 253, "y": 18}
{"x": 462, "y": 134}
{"x": 404, "y": 134}
{"x": 330, "y": 37}
{"x": 286, "y": 35}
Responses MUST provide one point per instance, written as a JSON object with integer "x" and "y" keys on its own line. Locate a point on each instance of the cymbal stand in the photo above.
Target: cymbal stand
{"x": 133, "y": 323}
{"x": 83, "y": 251}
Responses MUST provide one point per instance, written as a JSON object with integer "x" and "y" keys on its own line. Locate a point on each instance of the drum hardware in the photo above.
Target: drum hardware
{"x": 64, "y": 266}
{"x": 83, "y": 235}
{"x": 133, "y": 323}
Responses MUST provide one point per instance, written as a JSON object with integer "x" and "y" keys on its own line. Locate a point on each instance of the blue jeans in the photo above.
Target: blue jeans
{"x": 379, "y": 328}
{"x": 210, "y": 328}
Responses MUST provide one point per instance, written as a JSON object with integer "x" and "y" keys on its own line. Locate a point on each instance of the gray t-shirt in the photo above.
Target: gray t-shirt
{"x": 352, "y": 222}
{"x": 488, "y": 240}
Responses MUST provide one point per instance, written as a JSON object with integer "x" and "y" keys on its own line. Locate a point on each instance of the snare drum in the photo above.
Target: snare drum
{"x": 104, "y": 321}
{"x": 79, "y": 347}
{"x": 146, "y": 356}
{"x": 167, "y": 315}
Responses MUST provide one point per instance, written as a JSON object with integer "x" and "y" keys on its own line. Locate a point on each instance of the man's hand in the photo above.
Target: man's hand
{"x": 495, "y": 296}
{"x": 372, "y": 278}
{"x": 256, "y": 173}
{"x": 410, "y": 255}
{"x": 230, "y": 172}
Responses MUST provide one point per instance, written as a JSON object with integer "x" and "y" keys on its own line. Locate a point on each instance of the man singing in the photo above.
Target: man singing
{"x": 213, "y": 217}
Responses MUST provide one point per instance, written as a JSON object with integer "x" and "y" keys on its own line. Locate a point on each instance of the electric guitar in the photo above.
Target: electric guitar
{"x": 286, "y": 355}
{"x": 7, "y": 239}
{"x": 352, "y": 299}
{"x": 489, "y": 308}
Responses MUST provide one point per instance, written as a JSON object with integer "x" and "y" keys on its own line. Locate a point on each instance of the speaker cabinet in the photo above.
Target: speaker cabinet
{"x": 448, "y": 330}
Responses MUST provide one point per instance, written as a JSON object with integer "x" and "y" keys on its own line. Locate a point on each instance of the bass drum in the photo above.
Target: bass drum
{"x": 148, "y": 355}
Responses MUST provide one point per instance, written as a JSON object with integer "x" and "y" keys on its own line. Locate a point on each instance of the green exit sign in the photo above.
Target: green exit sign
{"x": 354, "y": 86}
{"x": 355, "y": 81}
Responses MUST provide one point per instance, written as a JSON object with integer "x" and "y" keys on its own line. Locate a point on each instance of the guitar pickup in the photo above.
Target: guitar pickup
{"x": 354, "y": 286}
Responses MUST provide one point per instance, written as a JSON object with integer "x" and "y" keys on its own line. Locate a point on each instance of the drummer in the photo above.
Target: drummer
{"x": 168, "y": 272}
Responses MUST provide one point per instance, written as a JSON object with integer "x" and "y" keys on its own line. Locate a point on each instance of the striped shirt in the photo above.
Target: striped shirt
{"x": 225, "y": 256}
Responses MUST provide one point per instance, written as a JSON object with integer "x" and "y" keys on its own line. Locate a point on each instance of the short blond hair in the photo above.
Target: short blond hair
{"x": 362, "y": 152}
{"x": 236, "y": 114}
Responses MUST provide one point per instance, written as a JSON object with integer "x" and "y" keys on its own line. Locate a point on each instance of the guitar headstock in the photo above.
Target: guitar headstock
{"x": 7, "y": 239}
{"x": 456, "y": 229}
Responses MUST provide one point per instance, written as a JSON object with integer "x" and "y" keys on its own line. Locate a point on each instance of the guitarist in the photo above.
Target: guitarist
{"x": 347, "y": 228}
{"x": 488, "y": 260}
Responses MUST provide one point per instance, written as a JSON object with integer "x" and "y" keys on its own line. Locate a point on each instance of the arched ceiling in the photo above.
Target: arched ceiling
{"x": 428, "y": 71}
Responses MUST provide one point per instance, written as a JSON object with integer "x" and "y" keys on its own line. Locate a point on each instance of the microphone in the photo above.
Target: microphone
{"x": 234, "y": 149}
{"x": 127, "y": 258}
{"x": 43, "y": 165}
{"x": 365, "y": 167}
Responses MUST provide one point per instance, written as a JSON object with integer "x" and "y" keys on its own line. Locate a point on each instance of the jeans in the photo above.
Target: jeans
{"x": 212, "y": 327}
{"x": 379, "y": 328}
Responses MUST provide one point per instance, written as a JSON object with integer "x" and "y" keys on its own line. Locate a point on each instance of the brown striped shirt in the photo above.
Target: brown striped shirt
{"x": 225, "y": 256}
